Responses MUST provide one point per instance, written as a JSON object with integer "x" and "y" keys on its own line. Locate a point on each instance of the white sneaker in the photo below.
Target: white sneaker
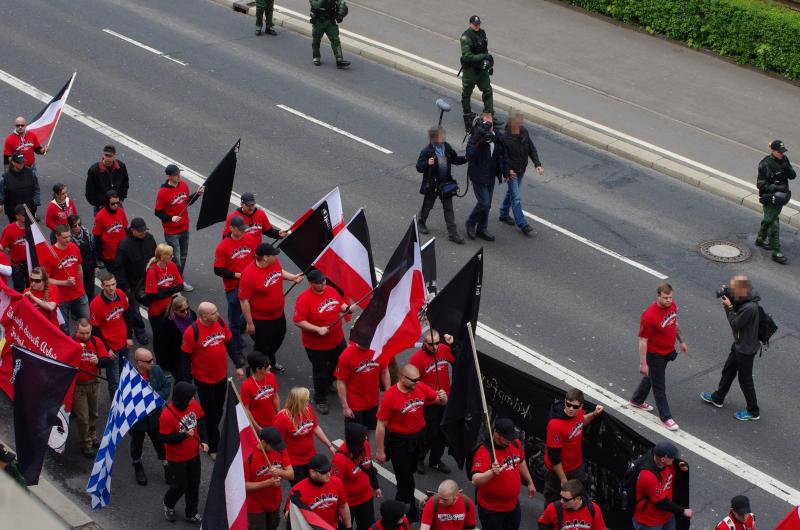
{"x": 187, "y": 288}
{"x": 671, "y": 424}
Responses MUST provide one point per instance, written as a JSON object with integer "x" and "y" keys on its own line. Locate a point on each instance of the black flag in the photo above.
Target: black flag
{"x": 428, "y": 252}
{"x": 309, "y": 238}
{"x": 455, "y": 305}
{"x": 219, "y": 185}
{"x": 40, "y": 384}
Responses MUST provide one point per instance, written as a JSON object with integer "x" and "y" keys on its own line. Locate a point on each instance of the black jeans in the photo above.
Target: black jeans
{"x": 185, "y": 480}
{"x": 447, "y": 205}
{"x": 403, "y": 451}
{"x": 434, "y": 440}
{"x": 509, "y": 520}
{"x": 323, "y": 364}
{"x": 368, "y": 418}
{"x": 362, "y": 515}
{"x": 212, "y": 399}
{"x": 269, "y": 336}
{"x": 137, "y": 443}
{"x": 743, "y": 366}
{"x": 658, "y": 381}
{"x": 135, "y": 315}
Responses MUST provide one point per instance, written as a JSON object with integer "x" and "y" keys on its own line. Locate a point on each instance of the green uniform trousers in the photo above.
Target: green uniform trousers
{"x": 770, "y": 230}
{"x": 469, "y": 80}
{"x": 84, "y": 408}
{"x": 331, "y": 29}
{"x": 264, "y": 10}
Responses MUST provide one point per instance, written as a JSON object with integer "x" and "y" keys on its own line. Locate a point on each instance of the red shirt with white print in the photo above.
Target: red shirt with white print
{"x": 403, "y": 411}
{"x": 208, "y": 353}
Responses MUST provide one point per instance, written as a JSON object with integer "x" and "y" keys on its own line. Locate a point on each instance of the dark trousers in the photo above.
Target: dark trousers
{"x": 552, "y": 484}
{"x": 88, "y": 281}
{"x": 212, "y": 399}
{"x": 509, "y": 520}
{"x": 19, "y": 277}
{"x": 368, "y": 418}
{"x": 480, "y": 214}
{"x": 264, "y": 520}
{"x": 447, "y": 205}
{"x": 300, "y": 472}
{"x": 155, "y": 326}
{"x": 433, "y": 440}
{"x": 185, "y": 481}
{"x": 403, "y": 451}
{"x": 269, "y": 336}
{"x": 137, "y": 443}
{"x": 323, "y": 364}
{"x": 362, "y": 515}
{"x": 657, "y": 379}
{"x": 741, "y": 365}
{"x": 134, "y": 314}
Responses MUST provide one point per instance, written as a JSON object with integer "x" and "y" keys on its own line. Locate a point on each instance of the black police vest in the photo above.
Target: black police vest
{"x": 478, "y": 42}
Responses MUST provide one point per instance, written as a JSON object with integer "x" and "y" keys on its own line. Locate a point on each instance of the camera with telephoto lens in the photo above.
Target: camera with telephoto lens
{"x": 724, "y": 291}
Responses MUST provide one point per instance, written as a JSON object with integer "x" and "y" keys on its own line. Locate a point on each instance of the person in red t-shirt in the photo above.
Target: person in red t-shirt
{"x": 172, "y": 207}
{"x": 401, "y": 424}
{"x": 564, "y": 453}
{"x": 162, "y": 280}
{"x": 573, "y": 510}
{"x": 358, "y": 383}
{"x": 498, "y": 478}
{"x": 261, "y": 296}
{"x": 324, "y": 495}
{"x": 298, "y": 425}
{"x": 260, "y": 391}
{"x": 655, "y": 509}
{"x": 206, "y": 344}
{"x": 433, "y": 361}
{"x": 255, "y": 219}
{"x": 59, "y": 209}
{"x": 64, "y": 268}
{"x": 264, "y": 470}
{"x": 393, "y": 516}
{"x": 183, "y": 428}
{"x": 658, "y": 329}
{"x": 22, "y": 141}
{"x": 109, "y": 315}
{"x": 352, "y": 464}
{"x": 740, "y": 517}
{"x": 43, "y": 296}
{"x": 448, "y": 509}
{"x": 110, "y": 228}
{"x": 13, "y": 240}
{"x": 84, "y": 400}
{"x": 318, "y": 313}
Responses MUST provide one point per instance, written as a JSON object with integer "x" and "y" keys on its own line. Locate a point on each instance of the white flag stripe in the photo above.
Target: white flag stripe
{"x": 49, "y": 116}
{"x": 235, "y": 492}
{"x": 351, "y": 250}
{"x": 397, "y": 307}
{"x": 334, "y": 200}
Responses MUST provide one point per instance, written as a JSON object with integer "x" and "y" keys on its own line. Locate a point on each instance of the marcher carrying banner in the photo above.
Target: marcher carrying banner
{"x": 218, "y": 187}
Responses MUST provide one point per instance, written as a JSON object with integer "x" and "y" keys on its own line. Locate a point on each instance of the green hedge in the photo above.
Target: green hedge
{"x": 748, "y": 31}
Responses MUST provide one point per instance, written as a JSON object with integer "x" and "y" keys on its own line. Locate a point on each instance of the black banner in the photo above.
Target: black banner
{"x": 307, "y": 241}
{"x": 218, "y": 188}
{"x": 428, "y": 254}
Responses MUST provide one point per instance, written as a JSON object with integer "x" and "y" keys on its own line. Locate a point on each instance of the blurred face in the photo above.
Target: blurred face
{"x": 109, "y": 159}
{"x": 83, "y": 333}
{"x": 776, "y": 154}
{"x": 739, "y": 288}
{"x": 664, "y": 299}
{"x": 113, "y": 204}
{"x": 439, "y": 138}
{"x": 571, "y": 407}
{"x": 144, "y": 362}
{"x": 110, "y": 287}
{"x": 17, "y": 165}
{"x": 20, "y": 217}
{"x": 515, "y": 124}
{"x": 138, "y": 234}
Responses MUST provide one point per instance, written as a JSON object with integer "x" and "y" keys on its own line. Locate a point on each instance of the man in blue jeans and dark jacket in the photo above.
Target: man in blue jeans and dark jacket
{"x": 519, "y": 147}
{"x": 487, "y": 161}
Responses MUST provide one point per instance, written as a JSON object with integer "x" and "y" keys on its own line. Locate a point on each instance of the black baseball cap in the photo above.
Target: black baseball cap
{"x": 237, "y": 221}
{"x": 319, "y": 463}
{"x": 740, "y": 505}
{"x": 110, "y": 149}
{"x": 315, "y": 276}
{"x": 778, "y": 146}
{"x": 265, "y": 249}
{"x": 18, "y": 157}
{"x": 172, "y": 169}
{"x": 667, "y": 449}
{"x": 248, "y": 198}
{"x": 137, "y": 223}
{"x": 475, "y": 19}
{"x": 392, "y": 512}
{"x": 273, "y": 437}
{"x": 505, "y": 427}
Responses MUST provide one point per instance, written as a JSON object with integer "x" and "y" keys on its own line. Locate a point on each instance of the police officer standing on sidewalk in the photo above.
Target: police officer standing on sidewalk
{"x": 477, "y": 66}
{"x": 774, "y": 174}
{"x": 326, "y": 15}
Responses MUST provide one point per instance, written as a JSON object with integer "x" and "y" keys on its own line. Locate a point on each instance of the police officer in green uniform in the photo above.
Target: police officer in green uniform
{"x": 774, "y": 174}
{"x": 326, "y": 15}
{"x": 264, "y": 11}
{"x": 477, "y": 66}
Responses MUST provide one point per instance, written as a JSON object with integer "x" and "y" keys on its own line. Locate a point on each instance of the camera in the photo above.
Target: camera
{"x": 724, "y": 291}
{"x": 487, "y": 63}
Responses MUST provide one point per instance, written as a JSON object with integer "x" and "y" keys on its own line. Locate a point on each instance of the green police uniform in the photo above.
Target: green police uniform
{"x": 773, "y": 176}
{"x": 264, "y": 11}
{"x": 475, "y": 48}
{"x": 323, "y": 22}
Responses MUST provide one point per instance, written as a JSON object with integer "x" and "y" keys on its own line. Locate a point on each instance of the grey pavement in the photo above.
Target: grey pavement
{"x": 551, "y": 293}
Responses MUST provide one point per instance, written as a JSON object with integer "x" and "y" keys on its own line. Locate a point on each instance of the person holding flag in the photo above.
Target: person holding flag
{"x": 19, "y": 185}
{"x": 64, "y": 268}
{"x": 13, "y": 240}
{"x": 264, "y": 470}
{"x": 25, "y": 142}
{"x": 84, "y": 401}
{"x": 260, "y": 391}
{"x": 255, "y": 219}
{"x": 42, "y": 296}
{"x": 358, "y": 384}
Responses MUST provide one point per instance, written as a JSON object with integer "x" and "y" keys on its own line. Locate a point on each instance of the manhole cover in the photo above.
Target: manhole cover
{"x": 724, "y": 251}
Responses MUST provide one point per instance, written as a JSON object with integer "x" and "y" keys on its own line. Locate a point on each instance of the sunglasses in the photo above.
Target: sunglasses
{"x": 573, "y": 405}
{"x": 112, "y": 203}
{"x": 19, "y": 125}
{"x": 36, "y": 280}
{"x": 567, "y": 499}
{"x": 417, "y": 380}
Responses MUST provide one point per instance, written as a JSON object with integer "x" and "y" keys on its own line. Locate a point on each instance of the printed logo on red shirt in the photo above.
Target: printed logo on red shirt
{"x": 329, "y": 304}
{"x": 576, "y": 431}
{"x": 446, "y": 517}
{"x": 67, "y": 262}
{"x": 241, "y": 252}
{"x": 115, "y": 227}
{"x": 576, "y": 524}
{"x": 115, "y": 313}
{"x": 166, "y": 281}
{"x": 272, "y": 278}
{"x": 510, "y": 463}
{"x": 87, "y": 355}
{"x": 188, "y": 422}
{"x": 431, "y": 368}
{"x": 669, "y": 319}
{"x": 365, "y": 462}
{"x": 304, "y": 428}
{"x": 264, "y": 392}
{"x": 254, "y": 228}
{"x": 19, "y": 241}
{"x": 324, "y": 500}
{"x": 366, "y": 366}
{"x": 412, "y": 405}
{"x": 179, "y": 198}
{"x": 666, "y": 486}
{"x": 264, "y": 470}
{"x": 214, "y": 339}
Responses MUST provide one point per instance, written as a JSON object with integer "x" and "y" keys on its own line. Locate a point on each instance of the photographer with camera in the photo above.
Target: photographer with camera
{"x": 488, "y": 161}
{"x": 774, "y": 174}
{"x": 326, "y": 15}
{"x": 741, "y": 308}
{"x": 477, "y": 65}
{"x": 434, "y": 162}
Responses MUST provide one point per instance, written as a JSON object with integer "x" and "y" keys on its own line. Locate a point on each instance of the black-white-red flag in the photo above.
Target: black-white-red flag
{"x": 333, "y": 201}
{"x": 43, "y": 124}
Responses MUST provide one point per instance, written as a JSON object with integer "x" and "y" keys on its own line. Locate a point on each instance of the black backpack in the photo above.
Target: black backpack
{"x": 644, "y": 462}
{"x": 766, "y": 327}
{"x": 560, "y": 510}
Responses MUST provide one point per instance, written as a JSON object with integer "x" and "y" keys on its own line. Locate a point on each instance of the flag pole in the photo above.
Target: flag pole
{"x": 480, "y": 386}
{"x": 350, "y": 306}
{"x": 250, "y": 420}
{"x": 303, "y": 273}
{"x": 58, "y": 118}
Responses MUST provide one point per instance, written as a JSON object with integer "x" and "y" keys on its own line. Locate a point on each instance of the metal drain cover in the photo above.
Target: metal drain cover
{"x": 724, "y": 251}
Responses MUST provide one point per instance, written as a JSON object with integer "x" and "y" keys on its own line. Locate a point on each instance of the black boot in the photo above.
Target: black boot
{"x": 141, "y": 477}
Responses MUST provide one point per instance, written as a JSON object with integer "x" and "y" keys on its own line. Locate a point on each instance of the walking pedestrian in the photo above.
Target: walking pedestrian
{"x": 145, "y": 366}
{"x": 65, "y": 271}
{"x": 87, "y": 385}
{"x": 105, "y": 175}
{"x": 352, "y": 464}
{"x": 487, "y": 162}
{"x": 740, "y": 517}
{"x": 448, "y": 509}
{"x": 774, "y": 173}
{"x": 85, "y": 243}
{"x": 22, "y": 141}
{"x": 477, "y": 66}
{"x": 108, "y": 314}
{"x": 574, "y": 510}
{"x": 326, "y": 15}
{"x": 393, "y": 516}
{"x": 260, "y": 391}
{"x": 59, "y": 209}
{"x": 19, "y": 185}
{"x": 13, "y": 240}
{"x": 110, "y": 227}
{"x": 263, "y": 478}
{"x": 133, "y": 255}
{"x": 161, "y": 281}
{"x": 170, "y": 337}
{"x": 257, "y": 223}
{"x": 654, "y": 508}
{"x": 323, "y": 494}
{"x": 358, "y": 384}
{"x": 519, "y": 148}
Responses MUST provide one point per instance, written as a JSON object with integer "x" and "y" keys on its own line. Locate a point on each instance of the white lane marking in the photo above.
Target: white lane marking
{"x": 143, "y": 46}
{"x": 334, "y": 129}
{"x": 596, "y": 246}
{"x": 727, "y": 462}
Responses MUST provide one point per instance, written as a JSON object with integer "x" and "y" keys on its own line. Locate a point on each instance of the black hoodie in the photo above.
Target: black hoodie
{"x": 743, "y": 318}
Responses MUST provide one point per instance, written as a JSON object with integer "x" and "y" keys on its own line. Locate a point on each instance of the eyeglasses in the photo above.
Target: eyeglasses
{"x": 567, "y": 499}
{"x": 417, "y": 380}
{"x": 573, "y": 405}
{"x": 36, "y": 280}
{"x": 113, "y": 203}
{"x": 19, "y": 125}
{"x": 76, "y": 224}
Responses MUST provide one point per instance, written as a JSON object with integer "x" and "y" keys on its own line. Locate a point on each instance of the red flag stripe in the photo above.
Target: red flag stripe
{"x": 791, "y": 521}
{"x": 339, "y": 269}
{"x": 407, "y": 298}
{"x": 334, "y": 200}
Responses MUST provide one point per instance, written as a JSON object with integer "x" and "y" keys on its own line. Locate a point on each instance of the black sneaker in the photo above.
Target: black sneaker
{"x": 527, "y": 230}
{"x": 763, "y": 244}
{"x": 341, "y": 65}
{"x": 322, "y": 408}
{"x": 258, "y": 32}
{"x": 317, "y": 61}
{"x": 486, "y": 236}
{"x": 141, "y": 476}
{"x": 195, "y": 519}
{"x": 423, "y": 229}
{"x": 270, "y": 31}
{"x": 455, "y": 238}
{"x": 169, "y": 514}
{"x": 778, "y": 257}
{"x": 440, "y": 467}
{"x": 507, "y": 220}
{"x": 277, "y": 368}
{"x": 472, "y": 231}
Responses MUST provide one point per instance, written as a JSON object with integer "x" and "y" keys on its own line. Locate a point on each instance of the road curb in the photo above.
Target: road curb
{"x": 652, "y": 159}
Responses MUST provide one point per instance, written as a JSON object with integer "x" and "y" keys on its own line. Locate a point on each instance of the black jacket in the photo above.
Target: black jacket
{"x": 86, "y": 246}
{"x": 743, "y": 318}
{"x": 19, "y": 187}
{"x": 100, "y": 180}
{"x": 483, "y": 164}
{"x": 519, "y": 147}
{"x": 774, "y": 175}
{"x": 430, "y": 174}
{"x": 131, "y": 261}
{"x": 167, "y": 348}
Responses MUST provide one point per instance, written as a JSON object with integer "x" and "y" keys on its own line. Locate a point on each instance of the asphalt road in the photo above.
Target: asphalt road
{"x": 551, "y": 293}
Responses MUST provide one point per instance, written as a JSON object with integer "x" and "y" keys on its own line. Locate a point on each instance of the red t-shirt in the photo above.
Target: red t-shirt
{"x": 566, "y": 434}
{"x": 69, "y": 260}
{"x": 428, "y": 368}
{"x": 501, "y": 492}
{"x": 264, "y": 289}
{"x": 172, "y": 201}
{"x": 403, "y": 411}
{"x": 300, "y": 439}
{"x": 169, "y": 423}
{"x": 109, "y": 316}
{"x": 353, "y": 475}
{"x": 56, "y": 215}
{"x": 259, "y": 398}
{"x": 320, "y": 310}
{"x": 235, "y": 255}
{"x": 660, "y": 327}
{"x": 322, "y": 500}
{"x": 749, "y": 523}
{"x": 208, "y": 353}
{"x": 110, "y": 227}
{"x": 362, "y": 376}
{"x": 455, "y": 517}
{"x": 257, "y": 224}
{"x": 96, "y": 347}
{"x": 573, "y": 519}
{"x": 13, "y": 239}
{"x": 256, "y": 470}
{"x": 157, "y": 279}
{"x": 26, "y": 145}
{"x": 52, "y": 290}
{"x": 653, "y": 489}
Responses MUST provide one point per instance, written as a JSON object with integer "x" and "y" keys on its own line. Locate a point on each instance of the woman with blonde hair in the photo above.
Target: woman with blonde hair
{"x": 298, "y": 425}
{"x": 162, "y": 280}
{"x": 42, "y": 296}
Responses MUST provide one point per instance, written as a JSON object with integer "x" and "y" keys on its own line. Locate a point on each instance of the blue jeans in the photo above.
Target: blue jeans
{"x": 235, "y": 319}
{"x": 113, "y": 370}
{"x": 78, "y": 308}
{"x": 480, "y": 214}
{"x": 669, "y": 525}
{"x": 512, "y": 201}
{"x": 180, "y": 248}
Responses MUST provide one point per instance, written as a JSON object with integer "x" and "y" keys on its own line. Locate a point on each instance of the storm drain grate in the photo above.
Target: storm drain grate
{"x": 724, "y": 251}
